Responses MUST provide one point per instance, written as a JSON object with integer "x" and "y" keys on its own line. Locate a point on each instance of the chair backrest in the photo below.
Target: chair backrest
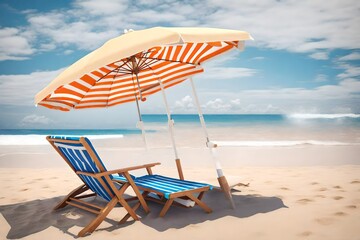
{"x": 81, "y": 156}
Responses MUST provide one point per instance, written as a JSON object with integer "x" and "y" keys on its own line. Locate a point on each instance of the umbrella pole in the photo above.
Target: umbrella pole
{"x": 171, "y": 131}
{"x": 140, "y": 124}
{"x": 224, "y": 185}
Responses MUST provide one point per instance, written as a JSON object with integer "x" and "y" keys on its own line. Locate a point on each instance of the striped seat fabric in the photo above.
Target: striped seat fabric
{"x": 80, "y": 155}
{"x": 80, "y": 159}
{"x": 167, "y": 185}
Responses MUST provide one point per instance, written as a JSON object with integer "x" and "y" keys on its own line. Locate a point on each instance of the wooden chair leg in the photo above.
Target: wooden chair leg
{"x": 130, "y": 211}
{"x": 102, "y": 215}
{"x": 200, "y": 203}
{"x": 137, "y": 192}
{"x": 137, "y": 205}
{"x": 201, "y": 195}
{"x": 127, "y": 216}
{"x": 166, "y": 207}
{"x": 72, "y": 194}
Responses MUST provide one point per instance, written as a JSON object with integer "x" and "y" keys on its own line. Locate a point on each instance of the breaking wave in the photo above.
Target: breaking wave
{"x": 281, "y": 143}
{"x": 33, "y": 139}
{"x": 323, "y": 116}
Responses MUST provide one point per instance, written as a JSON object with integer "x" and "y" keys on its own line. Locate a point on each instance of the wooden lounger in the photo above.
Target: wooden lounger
{"x": 82, "y": 158}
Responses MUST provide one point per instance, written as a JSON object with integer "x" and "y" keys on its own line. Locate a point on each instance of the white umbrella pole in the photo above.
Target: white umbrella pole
{"x": 140, "y": 124}
{"x": 171, "y": 131}
{"x": 221, "y": 178}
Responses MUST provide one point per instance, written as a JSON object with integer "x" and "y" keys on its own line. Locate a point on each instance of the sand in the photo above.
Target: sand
{"x": 297, "y": 192}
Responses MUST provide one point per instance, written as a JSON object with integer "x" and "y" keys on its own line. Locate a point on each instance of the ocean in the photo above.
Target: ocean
{"x": 296, "y": 129}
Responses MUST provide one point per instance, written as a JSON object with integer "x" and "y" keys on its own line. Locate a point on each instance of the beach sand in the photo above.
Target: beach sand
{"x": 295, "y": 192}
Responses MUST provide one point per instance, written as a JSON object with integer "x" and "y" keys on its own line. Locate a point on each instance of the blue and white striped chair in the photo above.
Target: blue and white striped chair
{"x": 170, "y": 189}
{"x": 82, "y": 158}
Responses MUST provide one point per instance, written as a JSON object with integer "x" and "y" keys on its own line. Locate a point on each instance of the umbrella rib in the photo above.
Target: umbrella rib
{"x": 97, "y": 81}
{"x": 148, "y": 64}
{"x": 154, "y": 85}
{"x": 124, "y": 72}
{"x": 142, "y": 61}
{"x": 153, "y": 60}
{"x": 110, "y": 72}
{"x": 129, "y": 66}
{"x": 173, "y": 61}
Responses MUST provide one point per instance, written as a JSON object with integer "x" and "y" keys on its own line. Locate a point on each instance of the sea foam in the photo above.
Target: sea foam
{"x": 33, "y": 139}
{"x": 323, "y": 116}
{"x": 280, "y": 143}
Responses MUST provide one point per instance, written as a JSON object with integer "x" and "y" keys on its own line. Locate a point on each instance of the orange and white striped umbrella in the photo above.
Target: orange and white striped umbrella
{"x": 132, "y": 66}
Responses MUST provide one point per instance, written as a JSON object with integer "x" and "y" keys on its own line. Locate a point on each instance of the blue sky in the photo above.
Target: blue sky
{"x": 305, "y": 57}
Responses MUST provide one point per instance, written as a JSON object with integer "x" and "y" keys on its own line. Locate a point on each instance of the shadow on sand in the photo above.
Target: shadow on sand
{"x": 34, "y": 216}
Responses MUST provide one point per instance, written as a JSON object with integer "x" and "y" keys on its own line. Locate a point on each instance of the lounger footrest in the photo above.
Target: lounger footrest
{"x": 167, "y": 185}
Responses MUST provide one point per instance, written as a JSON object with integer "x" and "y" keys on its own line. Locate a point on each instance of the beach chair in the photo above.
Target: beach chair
{"x": 82, "y": 158}
{"x": 170, "y": 191}
{"x": 157, "y": 188}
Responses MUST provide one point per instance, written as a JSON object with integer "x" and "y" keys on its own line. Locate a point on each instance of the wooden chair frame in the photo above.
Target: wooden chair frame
{"x": 168, "y": 202}
{"x": 75, "y": 196}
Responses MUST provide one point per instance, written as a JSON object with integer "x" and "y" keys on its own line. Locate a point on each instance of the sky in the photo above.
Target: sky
{"x": 305, "y": 57}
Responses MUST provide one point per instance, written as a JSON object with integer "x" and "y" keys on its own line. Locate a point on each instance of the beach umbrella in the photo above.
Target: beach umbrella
{"x": 137, "y": 64}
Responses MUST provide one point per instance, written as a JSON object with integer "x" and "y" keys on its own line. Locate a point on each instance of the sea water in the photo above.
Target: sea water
{"x": 241, "y": 129}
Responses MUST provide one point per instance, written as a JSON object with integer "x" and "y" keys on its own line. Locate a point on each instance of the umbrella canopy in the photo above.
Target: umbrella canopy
{"x": 133, "y": 65}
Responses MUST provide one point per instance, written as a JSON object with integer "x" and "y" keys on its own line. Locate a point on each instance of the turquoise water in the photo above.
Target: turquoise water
{"x": 217, "y": 120}
{"x": 324, "y": 127}
{"x": 335, "y": 120}
{"x": 80, "y": 132}
{"x": 220, "y": 118}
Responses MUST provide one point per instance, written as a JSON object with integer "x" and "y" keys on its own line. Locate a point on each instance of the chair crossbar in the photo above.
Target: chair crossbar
{"x": 86, "y": 203}
{"x": 83, "y": 207}
{"x": 86, "y": 195}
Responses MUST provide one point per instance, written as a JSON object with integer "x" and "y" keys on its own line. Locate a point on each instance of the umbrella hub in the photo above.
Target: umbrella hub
{"x": 134, "y": 64}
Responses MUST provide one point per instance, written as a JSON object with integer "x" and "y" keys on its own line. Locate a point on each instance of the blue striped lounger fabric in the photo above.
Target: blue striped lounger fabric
{"x": 80, "y": 155}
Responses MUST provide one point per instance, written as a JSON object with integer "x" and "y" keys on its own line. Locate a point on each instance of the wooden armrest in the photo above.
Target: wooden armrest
{"x": 121, "y": 170}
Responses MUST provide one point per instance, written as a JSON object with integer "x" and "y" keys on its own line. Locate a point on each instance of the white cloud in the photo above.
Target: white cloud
{"x": 217, "y": 68}
{"x": 35, "y": 120}
{"x": 68, "y": 52}
{"x": 347, "y": 62}
{"x": 97, "y": 7}
{"x": 323, "y": 99}
{"x": 257, "y": 58}
{"x": 61, "y": 30}
{"x": 227, "y": 73}
{"x": 320, "y": 55}
{"x": 351, "y": 57}
{"x": 13, "y": 45}
{"x": 21, "y": 89}
{"x": 224, "y": 106}
{"x": 217, "y": 106}
{"x": 351, "y": 71}
{"x": 184, "y": 105}
{"x": 321, "y": 78}
{"x": 346, "y": 89}
{"x": 298, "y": 26}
